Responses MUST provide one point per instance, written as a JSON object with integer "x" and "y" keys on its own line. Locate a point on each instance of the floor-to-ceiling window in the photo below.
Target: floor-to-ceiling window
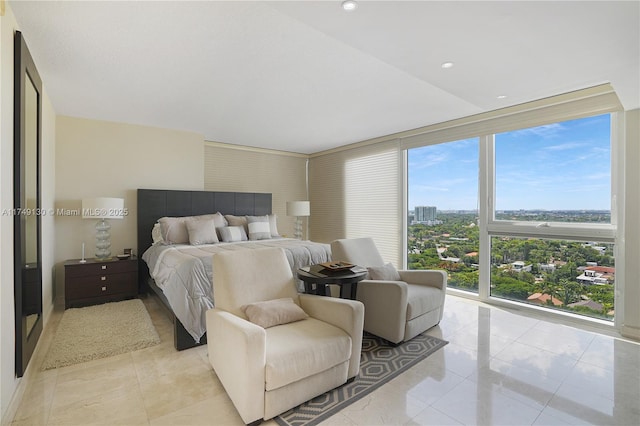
{"x": 442, "y": 229}
{"x": 537, "y": 201}
{"x": 551, "y": 233}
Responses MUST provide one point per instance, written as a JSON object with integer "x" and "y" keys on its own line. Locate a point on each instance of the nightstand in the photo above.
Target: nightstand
{"x": 99, "y": 281}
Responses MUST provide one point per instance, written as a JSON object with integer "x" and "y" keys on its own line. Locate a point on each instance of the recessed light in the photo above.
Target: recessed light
{"x": 349, "y": 5}
{"x": 446, "y": 65}
{"x": 501, "y": 96}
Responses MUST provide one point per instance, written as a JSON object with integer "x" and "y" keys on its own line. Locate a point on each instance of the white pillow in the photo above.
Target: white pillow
{"x": 273, "y": 225}
{"x": 259, "y": 228}
{"x": 174, "y": 230}
{"x": 156, "y": 234}
{"x": 232, "y": 234}
{"x": 387, "y": 272}
{"x": 201, "y": 231}
{"x": 237, "y": 221}
{"x": 274, "y": 312}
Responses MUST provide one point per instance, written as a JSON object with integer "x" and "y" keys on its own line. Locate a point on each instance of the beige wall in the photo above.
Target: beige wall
{"x": 105, "y": 159}
{"x": 232, "y": 168}
{"x": 8, "y": 381}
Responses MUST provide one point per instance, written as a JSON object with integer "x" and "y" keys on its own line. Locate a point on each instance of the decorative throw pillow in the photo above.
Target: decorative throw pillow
{"x": 259, "y": 228}
{"x": 274, "y": 312}
{"x": 232, "y": 234}
{"x": 218, "y": 220}
{"x": 201, "y": 231}
{"x": 237, "y": 221}
{"x": 174, "y": 230}
{"x": 387, "y": 272}
{"x": 273, "y": 225}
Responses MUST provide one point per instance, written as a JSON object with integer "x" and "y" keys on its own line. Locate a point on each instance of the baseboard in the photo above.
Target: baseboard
{"x": 630, "y": 332}
{"x": 40, "y": 350}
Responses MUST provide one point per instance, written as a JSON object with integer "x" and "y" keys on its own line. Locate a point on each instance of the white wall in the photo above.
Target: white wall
{"x": 7, "y": 347}
{"x": 105, "y": 159}
{"x": 8, "y": 380}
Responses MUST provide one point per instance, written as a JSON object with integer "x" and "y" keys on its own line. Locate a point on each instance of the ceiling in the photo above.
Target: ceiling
{"x": 307, "y": 76}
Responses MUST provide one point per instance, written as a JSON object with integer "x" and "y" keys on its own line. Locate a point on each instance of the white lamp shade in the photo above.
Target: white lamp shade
{"x": 298, "y": 208}
{"x": 103, "y": 208}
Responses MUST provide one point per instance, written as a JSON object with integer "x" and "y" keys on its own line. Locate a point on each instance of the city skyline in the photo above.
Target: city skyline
{"x": 567, "y": 169}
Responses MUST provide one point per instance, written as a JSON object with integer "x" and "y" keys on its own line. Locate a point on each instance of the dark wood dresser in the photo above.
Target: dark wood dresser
{"x": 99, "y": 281}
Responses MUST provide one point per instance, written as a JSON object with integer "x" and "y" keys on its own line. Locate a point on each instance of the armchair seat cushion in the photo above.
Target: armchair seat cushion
{"x": 422, "y": 299}
{"x": 301, "y": 349}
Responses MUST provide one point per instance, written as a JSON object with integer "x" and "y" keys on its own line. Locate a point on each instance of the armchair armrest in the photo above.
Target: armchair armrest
{"x": 430, "y": 277}
{"x": 386, "y": 308}
{"x": 241, "y": 370}
{"x": 345, "y": 314}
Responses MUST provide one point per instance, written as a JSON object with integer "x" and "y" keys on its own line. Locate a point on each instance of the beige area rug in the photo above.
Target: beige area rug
{"x": 100, "y": 331}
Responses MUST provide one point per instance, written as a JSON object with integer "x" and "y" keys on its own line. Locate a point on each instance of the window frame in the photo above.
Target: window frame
{"x": 606, "y": 233}
{"x": 490, "y": 227}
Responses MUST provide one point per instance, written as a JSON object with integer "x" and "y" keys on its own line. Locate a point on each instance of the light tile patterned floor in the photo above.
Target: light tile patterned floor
{"x": 499, "y": 368}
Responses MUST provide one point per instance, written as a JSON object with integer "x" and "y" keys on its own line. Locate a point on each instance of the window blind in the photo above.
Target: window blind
{"x": 358, "y": 193}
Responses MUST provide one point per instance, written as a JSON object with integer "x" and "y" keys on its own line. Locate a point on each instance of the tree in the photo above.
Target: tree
{"x": 550, "y": 288}
{"x": 570, "y": 291}
{"x": 511, "y": 288}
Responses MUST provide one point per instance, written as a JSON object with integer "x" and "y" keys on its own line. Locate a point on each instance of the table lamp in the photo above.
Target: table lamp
{"x": 298, "y": 209}
{"x": 103, "y": 209}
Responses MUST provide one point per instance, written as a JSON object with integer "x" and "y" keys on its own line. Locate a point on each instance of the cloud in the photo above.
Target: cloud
{"x": 426, "y": 160}
{"x": 598, "y": 176}
{"x": 566, "y": 146}
{"x": 427, "y": 188}
{"x": 545, "y": 131}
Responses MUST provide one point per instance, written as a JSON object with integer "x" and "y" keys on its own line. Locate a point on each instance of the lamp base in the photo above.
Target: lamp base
{"x": 103, "y": 240}
{"x": 297, "y": 229}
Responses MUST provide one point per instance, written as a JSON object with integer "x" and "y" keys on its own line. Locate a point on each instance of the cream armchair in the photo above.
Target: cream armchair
{"x": 267, "y": 371}
{"x": 398, "y": 309}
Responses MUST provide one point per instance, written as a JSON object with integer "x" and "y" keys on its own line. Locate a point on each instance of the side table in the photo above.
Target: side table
{"x": 318, "y": 277}
{"x": 99, "y": 281}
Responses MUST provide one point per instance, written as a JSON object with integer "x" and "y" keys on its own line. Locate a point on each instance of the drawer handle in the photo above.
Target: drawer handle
{"x": 104, "y": 266}
{"x": 103, "y": 278}
{"x": 104, "y": 288}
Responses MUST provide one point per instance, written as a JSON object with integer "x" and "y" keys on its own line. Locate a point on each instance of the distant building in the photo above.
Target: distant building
{"x": 598, "y": 275}
{"x": 547, "y": 267}
{"x": 543, "y": 298}
{"x": 424, "y": 214}
{"x": 588, "y": 303}
{"x": 519, "y": 266}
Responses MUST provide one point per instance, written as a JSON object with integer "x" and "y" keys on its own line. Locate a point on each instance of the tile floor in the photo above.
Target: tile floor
{"x": 499, "y": 368}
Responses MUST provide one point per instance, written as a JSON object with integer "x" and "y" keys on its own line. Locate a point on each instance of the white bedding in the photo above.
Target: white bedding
{"x": 184, "y": 273}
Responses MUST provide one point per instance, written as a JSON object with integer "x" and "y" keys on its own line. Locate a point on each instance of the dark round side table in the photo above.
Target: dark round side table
{"x": 316, "y": 279}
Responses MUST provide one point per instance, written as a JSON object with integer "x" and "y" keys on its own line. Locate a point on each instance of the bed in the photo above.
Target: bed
{"x": 180, "y": 274}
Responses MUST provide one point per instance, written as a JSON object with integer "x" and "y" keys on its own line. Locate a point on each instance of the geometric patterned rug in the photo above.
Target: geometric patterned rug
{"x": 379, "y": 363}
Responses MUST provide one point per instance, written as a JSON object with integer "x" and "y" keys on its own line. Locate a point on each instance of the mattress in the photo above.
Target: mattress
{"x": 185, "y": 274}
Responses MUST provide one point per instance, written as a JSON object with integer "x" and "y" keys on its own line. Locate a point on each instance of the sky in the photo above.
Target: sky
{"x": 560, "y": 166}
